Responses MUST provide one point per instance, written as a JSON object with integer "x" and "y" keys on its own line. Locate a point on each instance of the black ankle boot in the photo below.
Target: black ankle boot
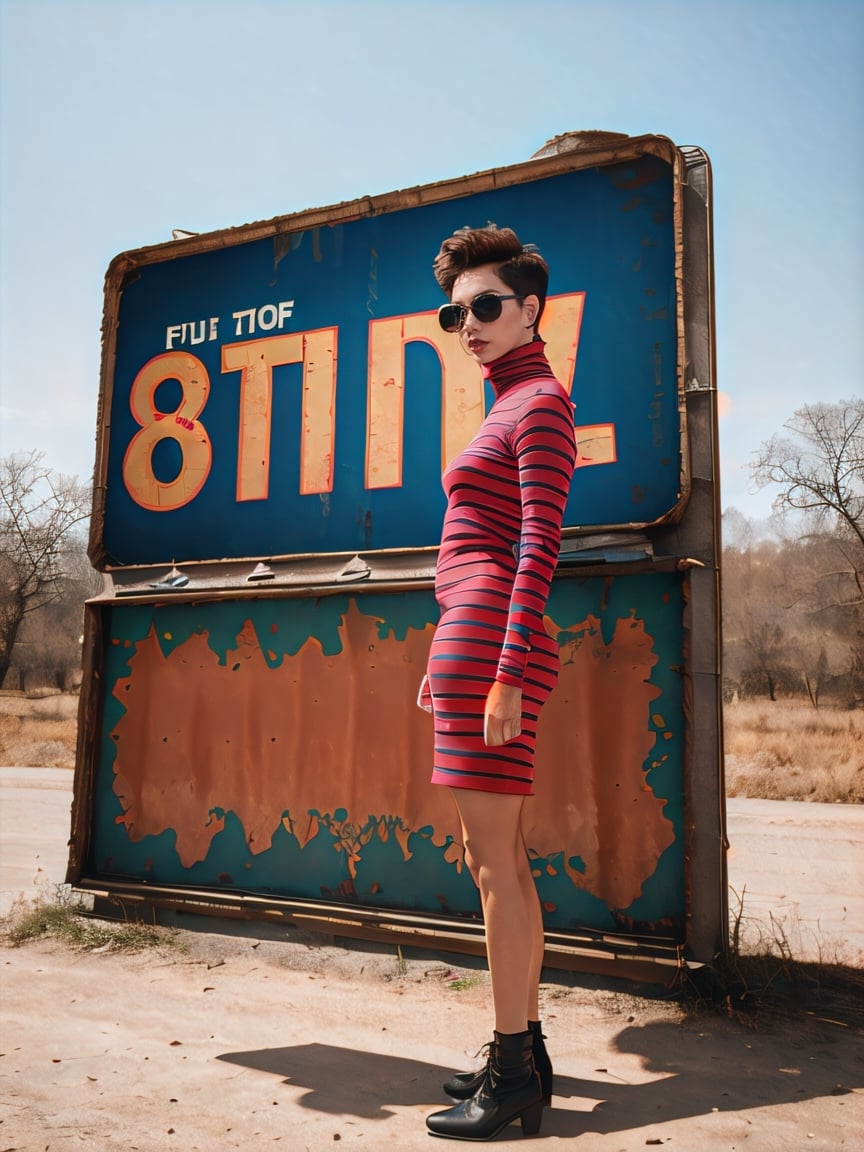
{"x": 541, "y": 1060}
{"x": 463, "y": 1085}
{"x": 510, "y": 1091}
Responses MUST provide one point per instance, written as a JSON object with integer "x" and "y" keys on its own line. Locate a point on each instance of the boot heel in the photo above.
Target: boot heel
{"x": 531, "y": 1119}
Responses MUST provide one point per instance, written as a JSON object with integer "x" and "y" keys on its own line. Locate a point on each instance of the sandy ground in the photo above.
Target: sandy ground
{"x": 239, "y": 1043}
{"x": 271, "y": 1037}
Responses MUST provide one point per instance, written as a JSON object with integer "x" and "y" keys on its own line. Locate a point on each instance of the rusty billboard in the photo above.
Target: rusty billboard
{"x": 276, "y": 406}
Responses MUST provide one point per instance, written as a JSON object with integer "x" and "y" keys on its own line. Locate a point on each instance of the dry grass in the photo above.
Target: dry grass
{"x": 758, "y": 978}
{"x": 38, "y": 731}
{"x": 787, "y": 750}
{"x": 63, "y": 915}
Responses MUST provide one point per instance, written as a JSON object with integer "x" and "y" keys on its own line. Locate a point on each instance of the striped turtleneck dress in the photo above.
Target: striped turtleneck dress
{"x": 500, "y": 541}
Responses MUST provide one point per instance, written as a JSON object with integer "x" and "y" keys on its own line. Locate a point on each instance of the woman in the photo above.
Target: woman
{"x": 492, "y": 665}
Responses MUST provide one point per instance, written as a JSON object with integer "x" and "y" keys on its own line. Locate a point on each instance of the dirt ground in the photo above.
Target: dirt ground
{"x": 278, "y": 1039}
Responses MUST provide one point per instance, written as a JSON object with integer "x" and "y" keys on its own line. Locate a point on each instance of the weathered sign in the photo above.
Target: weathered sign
{"x": 277, "y": 405}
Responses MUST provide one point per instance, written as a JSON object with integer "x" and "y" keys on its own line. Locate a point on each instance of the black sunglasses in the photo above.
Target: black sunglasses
{"x": 486, "y": 307}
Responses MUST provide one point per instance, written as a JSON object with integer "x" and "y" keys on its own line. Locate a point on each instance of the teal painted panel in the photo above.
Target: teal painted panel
{"x": 273, "y": 746}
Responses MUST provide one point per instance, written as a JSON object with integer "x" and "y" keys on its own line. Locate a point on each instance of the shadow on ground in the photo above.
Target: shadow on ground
{"x": 720, "y": 1068}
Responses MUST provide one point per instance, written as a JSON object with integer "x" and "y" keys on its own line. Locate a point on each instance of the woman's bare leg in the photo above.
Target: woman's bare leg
{"x": 495, "y": 855}
{"x": 535, "y": 929}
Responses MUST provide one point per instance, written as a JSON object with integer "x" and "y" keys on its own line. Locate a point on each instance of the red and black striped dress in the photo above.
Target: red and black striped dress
{"x": 500, "y": 541}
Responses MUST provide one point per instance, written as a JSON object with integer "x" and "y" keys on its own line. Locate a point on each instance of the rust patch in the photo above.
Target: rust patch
{"x": 318, "y": 733}
{"x": 594, "y": 737}
{"x": 336, "y": 740}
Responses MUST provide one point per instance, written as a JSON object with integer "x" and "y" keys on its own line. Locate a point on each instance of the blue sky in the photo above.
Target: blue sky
{"x": 123, "y": 119}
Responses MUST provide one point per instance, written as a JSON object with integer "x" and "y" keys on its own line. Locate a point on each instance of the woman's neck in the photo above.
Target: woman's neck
{"x": 524, "y": 362}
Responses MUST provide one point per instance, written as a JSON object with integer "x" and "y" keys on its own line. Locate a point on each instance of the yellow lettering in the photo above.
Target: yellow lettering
{"x": 461, "y": 383}
{"x": 596, "y": 443}
{"x": 461, "y": 400}
{"x": 182, "y": 426}
{"x": 318, "y": 435}
{"x": 255, "y": 361}
{"x": 560, "y": 328}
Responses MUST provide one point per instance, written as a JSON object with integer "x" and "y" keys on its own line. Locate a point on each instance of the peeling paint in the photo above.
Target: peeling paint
{"x": 330, "y": 742}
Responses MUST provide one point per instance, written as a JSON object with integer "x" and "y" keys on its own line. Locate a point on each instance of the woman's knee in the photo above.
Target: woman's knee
{"x": 491, "y": 836}
{"x": 492, "y": 866}
{"x": 485, "y": 861}
{"x": 472, "y": 866}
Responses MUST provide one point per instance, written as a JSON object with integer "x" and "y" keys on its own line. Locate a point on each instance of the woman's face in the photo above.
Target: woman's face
{"x": 514, "y": 327}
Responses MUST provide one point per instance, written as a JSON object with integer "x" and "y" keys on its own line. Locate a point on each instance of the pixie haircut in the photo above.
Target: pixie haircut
{"x": 519, "y": 265}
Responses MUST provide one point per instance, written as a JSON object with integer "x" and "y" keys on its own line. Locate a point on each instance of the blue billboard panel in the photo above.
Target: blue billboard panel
{"x": 292, "y": 393}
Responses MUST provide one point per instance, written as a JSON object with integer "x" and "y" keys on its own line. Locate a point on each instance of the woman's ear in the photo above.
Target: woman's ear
{"x": 530, "y": 310}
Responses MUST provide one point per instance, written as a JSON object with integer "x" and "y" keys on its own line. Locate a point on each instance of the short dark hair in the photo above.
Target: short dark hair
{"x": 520, "y": 266}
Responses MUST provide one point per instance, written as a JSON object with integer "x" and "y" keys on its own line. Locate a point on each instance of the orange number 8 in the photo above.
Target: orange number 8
{"x": 182, "y": 426}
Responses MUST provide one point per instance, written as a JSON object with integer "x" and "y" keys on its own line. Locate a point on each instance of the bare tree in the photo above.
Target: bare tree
{"x": 820, "y": 466}
{"x": 39, "y": 510}
{"x": 820, "y": 471}
{"x": 48, "y": 649}
{"x": 756, "y": 640}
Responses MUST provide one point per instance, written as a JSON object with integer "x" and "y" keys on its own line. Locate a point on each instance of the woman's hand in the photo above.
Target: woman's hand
{"x": 503, "y": 718}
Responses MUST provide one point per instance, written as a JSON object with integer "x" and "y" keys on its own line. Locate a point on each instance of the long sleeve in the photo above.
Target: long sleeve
{"x": 543, "y": 443}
